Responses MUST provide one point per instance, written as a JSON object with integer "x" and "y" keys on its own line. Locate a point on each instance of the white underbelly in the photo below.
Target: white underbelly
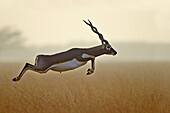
{"x": 69, "y": 65}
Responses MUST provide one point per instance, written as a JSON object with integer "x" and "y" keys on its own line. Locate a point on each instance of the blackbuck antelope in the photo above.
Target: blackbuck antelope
{"x": 70, "y": 59}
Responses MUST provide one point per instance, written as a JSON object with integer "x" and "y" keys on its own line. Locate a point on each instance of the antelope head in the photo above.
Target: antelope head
{"x": 107, "y": 48}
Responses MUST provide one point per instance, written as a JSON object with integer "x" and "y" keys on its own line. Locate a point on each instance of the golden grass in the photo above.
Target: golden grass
{"x": 113, "y": 88}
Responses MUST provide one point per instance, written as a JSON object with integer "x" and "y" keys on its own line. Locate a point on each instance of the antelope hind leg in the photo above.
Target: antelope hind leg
{"x": 26, "y": 67}
{"x": 30, "y": 67}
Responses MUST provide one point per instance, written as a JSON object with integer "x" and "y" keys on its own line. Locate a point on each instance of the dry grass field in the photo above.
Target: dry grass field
{"x": 113, "y": 88}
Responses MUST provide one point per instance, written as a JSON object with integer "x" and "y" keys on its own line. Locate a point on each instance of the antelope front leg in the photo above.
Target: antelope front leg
{"x": 91, "y": 70}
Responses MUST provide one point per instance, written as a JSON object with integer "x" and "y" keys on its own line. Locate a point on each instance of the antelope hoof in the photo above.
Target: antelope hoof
{"x": 89, "y": 71}
{"x": 15, "y": 79}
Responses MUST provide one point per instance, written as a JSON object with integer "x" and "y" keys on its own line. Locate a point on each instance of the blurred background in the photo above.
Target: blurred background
{"x": 138, "y": 29}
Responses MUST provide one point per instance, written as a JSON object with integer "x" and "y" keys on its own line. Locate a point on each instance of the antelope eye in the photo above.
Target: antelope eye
{"x": 108, "y": 47}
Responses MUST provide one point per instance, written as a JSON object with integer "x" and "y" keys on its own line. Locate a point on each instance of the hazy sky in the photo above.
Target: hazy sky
{"x": 59, "y": 22}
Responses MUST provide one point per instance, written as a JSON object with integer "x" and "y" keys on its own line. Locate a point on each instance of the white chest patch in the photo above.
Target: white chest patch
{"x": 69, "y": 65}
{"x": 87, "y": 56}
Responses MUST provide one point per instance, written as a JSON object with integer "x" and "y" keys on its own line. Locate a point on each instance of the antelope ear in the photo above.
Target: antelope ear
{"x": 103, "y": 46}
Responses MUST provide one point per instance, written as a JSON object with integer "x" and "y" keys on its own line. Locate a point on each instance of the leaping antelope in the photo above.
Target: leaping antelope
{"x": 70, "y": 59}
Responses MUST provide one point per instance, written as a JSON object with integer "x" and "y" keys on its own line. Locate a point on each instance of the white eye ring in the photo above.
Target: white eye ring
{"x": 108, "y": 47}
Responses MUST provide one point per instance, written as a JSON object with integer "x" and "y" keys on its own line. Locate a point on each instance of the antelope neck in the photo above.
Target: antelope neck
{"x": 95, "y": 51}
